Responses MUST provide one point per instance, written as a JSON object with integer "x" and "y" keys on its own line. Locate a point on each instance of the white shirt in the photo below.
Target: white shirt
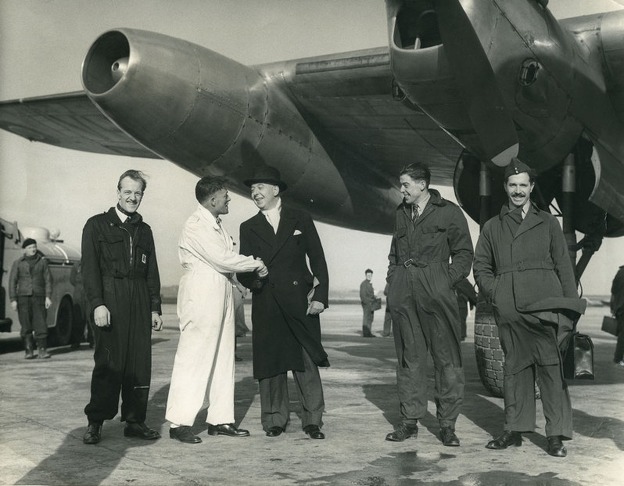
{"x": 273, "y": 215}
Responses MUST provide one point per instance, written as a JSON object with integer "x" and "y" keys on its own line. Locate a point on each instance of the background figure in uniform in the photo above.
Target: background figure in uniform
{"x": 429, "y": 231}
{"x": 204, "y": 360}
{"x": 122, "y": 287}
{"x": 617, "y": 308}
{"x": 466, "y": 296}
{"x": 30, "y": 292}
{"x": 286, "y": 328}
{"x": 367, "y": 298}
{"x": 387, "y": 326}
{"x": 523, "y": 268}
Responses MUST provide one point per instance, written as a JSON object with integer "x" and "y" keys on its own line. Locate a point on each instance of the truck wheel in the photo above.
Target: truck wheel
{"x": 488, "y": 350}
{"x": 64, "y": 323}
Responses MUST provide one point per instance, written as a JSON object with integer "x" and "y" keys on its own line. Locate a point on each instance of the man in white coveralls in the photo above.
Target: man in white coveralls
{"x": 204, "y": 360}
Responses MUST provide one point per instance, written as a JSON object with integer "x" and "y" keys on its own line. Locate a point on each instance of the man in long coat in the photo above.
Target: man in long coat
{"x": 122, "y": 288}
{"x": 367, "y": 298}
{"x": 286, "y": 326}
{"x": 431, "y": 251}
{"x": 523, "y": 268}
{"x": 204, "y": 360}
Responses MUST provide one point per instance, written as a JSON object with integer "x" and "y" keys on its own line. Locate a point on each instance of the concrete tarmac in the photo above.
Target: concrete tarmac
{"x": 42, "y": 423}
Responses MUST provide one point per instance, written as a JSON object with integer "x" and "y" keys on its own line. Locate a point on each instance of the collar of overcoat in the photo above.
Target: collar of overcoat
{"x": 530, "y": 221}
{"x": 261, "y": 227}
{"x": 436, "y": 200}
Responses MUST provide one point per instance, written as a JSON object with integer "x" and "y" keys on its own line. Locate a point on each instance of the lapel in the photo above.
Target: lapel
{"x": 285, "y": 230}
{"x": 263, "y": 230}
{"x": 530, "y": 221}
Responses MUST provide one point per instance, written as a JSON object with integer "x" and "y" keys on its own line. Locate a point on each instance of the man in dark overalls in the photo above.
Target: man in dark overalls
{"x": 431, "y": 251}
{"x": 122, "y": 288}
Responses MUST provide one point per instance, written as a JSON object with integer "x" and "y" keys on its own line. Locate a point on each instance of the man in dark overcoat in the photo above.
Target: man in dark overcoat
{"x": 367, "y": 299}
{"x": 122, "y": 288}
{"x": 431, "y": 251}
{"x": 523, "y": 268}
{"x": 285, "y": 306}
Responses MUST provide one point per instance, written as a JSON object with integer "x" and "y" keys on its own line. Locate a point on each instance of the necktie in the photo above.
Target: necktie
{"x": 415, "y": 214}
{"x": 219, "y": 221}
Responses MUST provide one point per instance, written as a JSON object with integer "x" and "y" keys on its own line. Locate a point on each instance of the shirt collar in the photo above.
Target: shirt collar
{"x": 122, "y": 217}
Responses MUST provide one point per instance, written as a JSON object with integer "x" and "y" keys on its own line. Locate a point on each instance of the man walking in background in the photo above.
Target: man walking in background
{"x": 122, "y": 287}
{"x": 30, "y": 290}
{"x": 367, "y": 298}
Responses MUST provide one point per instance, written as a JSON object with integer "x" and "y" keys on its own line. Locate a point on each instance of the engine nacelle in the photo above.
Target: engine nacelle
{"x": 210, "y": 115}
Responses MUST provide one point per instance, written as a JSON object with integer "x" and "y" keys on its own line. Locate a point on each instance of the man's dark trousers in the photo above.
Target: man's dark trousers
{"x": 275, "y": 403}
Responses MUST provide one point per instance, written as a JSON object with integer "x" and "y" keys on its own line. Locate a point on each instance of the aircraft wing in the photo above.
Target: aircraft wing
{"x": 70, "y": 121}
{"x": 349, "y": 100}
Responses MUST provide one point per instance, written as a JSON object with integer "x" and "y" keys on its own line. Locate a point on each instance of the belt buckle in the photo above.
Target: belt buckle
{"x": 408, "y": 263}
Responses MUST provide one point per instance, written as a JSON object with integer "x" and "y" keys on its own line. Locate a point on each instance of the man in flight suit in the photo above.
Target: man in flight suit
{"x": 431, "y": 251}
{"x": 122, "y": 288}
{"x": 523, "y": 268}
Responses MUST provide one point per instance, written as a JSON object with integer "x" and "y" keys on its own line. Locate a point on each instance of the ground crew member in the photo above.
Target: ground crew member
{"x": 122, "y": 287}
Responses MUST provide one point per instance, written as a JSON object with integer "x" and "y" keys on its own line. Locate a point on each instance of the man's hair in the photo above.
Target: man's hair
{"x": 368, "y": 270}
{"x": 418, "y": 172}
{"x": 135, "y": 175}
{"x": 207, "y": 186}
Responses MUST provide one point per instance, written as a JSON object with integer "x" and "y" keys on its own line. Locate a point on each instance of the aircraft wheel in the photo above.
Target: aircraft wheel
{"x": 488, "y": 350}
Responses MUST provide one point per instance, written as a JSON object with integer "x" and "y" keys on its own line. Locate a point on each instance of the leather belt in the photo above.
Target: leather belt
{"x": 417, "y": 263}
{"x": 522, "y": 266}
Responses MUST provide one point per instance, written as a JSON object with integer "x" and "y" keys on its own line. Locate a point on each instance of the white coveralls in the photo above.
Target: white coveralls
{"x": 204, "y": 360}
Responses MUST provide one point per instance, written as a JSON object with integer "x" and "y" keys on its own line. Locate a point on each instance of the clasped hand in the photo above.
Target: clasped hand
{"x": 262, "y": 271}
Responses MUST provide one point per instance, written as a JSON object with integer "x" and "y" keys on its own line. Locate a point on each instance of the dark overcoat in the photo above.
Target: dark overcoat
{"x": 26, "y": 281}
{"x": 429, "y": 256}
{"x": 281, "y": 326}
{"x": 523, "y": 268}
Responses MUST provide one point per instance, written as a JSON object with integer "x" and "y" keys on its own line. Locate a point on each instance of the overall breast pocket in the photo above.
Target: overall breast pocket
{"x": 112, "y": 250}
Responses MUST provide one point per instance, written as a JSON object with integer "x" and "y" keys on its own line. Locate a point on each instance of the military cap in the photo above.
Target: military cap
{"x": 28, "y": 242}
{"x": 516, "y": 166}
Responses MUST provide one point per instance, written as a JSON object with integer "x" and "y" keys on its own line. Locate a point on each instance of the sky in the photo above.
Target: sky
{"x": 43, "y": 43}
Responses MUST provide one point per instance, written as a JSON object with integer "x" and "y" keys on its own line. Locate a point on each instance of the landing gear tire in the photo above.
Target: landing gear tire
{"x": 488, "y": 350}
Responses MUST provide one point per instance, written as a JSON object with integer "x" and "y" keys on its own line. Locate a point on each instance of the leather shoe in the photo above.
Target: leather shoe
{"x": 556, "y": 447}
{"x": 184, "y": 434}
{"x": 449, "y": 438}
{"x": 93, "y": 435}
{"x": 403, "y": 431}
{"x": 505, "y": 440}
{"x": 227, "y": 429}
{"x": 314, "y": 432}
{"x": 140, "y": 430}
{"x": 274, "y": 431}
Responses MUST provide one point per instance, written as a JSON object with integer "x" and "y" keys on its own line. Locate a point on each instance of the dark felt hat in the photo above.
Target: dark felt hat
{"x": 516, "y": 166}
{"x": 28, "y": 242}
{"x": 268, "y": 175}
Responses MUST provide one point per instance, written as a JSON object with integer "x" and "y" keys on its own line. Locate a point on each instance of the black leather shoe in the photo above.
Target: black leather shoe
{"x": 505, "y": 440}
{"x": 274, "y": 431}
{"x": 556, "y": 447}
{"x": 227, "y": 429}
{"x": 403, "y": 431}
{"x": 449, "y": 438}
{"x": 314, "y": 432}
{"x": 93, "y": 435}
{"x": 140, "y": 430}
{"x": 184, "y": 434}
